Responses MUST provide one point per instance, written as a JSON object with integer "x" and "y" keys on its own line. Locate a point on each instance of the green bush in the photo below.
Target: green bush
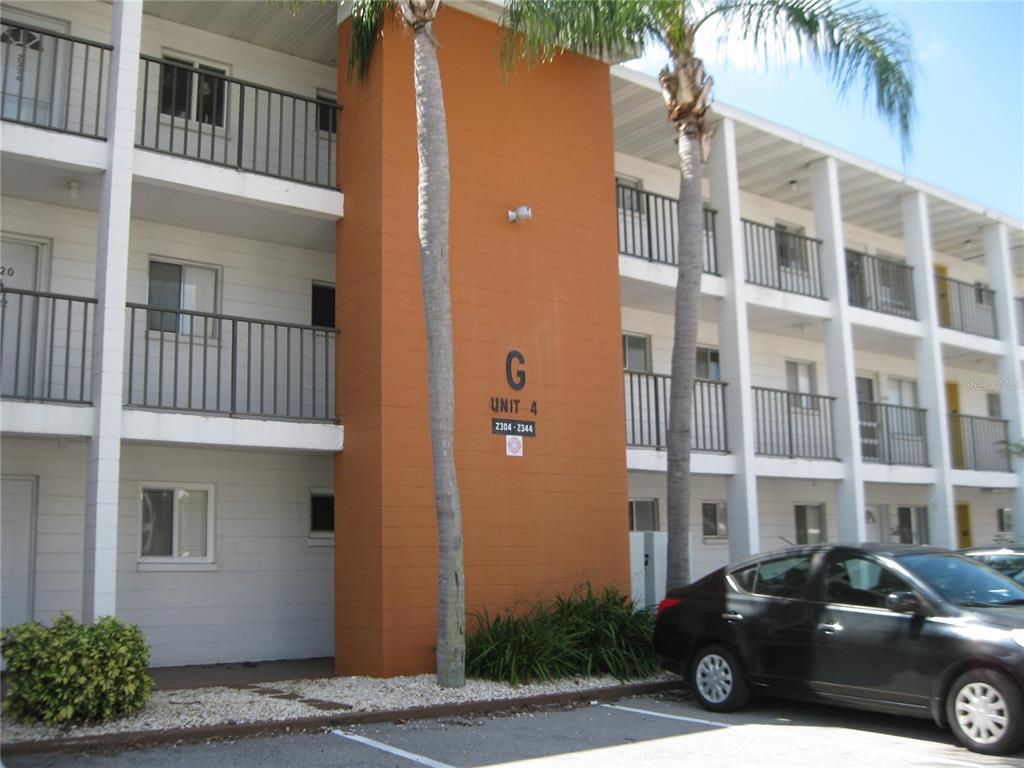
{"x": 580, "y": 634}
{"x": 72, "y": 672}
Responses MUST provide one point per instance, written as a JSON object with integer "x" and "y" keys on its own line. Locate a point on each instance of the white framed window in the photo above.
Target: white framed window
{"x": 181, "y": 286}
{"x": 713, "y": 520}
{"x": 193, "y": 89}
{"x": 1004, "y": 520}
{"x": 792, "y": 252}
{"x": 326, "y": 117}
{"x": 176, "y": 523}
{"x": 993, "y": 405}
{"x": 321, "y": 516}
{"x": 903, "y": 392}
{"x": 708, "y": 366}
{"x": 631, "y": 193}
{"x": 636, "y": 353}
{"x": 643, "y": 515}
{"x": 810, "y": 523}
{"x": 802, "y": 377}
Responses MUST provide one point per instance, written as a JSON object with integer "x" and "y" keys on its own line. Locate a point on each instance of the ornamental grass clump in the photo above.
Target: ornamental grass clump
{"x": 582, "y": 634}
{"x": 72, "y": 672}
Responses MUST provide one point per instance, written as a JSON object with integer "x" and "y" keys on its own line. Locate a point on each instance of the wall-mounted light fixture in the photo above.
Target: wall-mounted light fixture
{"x": 522, "y": 213}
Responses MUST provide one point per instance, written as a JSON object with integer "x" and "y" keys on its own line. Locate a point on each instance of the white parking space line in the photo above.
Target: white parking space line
{"x": 419, "y": 759}
{"x": 651, "y": 713}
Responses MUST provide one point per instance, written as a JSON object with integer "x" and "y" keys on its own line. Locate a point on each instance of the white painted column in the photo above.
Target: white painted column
{"x": 99, "y": 588}
{"x": 734, "y": 344}
{"x": 931, "y": 387}
{"x": 1000, "y": 276}
{"x": 842, "y": 366}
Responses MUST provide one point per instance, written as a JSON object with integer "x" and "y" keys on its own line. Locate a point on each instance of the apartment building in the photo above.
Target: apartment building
{"x": 214, "y": 413}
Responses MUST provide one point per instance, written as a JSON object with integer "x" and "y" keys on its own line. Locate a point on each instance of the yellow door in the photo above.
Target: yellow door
{"x": 942, "y": 292}
{"x": 956, "y": 432}
{"x": 963, "y": 525}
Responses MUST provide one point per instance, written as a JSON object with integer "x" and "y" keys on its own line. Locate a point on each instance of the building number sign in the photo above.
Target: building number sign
{"x": 508, "y": 407}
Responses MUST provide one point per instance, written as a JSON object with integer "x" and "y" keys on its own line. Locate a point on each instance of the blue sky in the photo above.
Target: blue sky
{"x": 969, "y": 131}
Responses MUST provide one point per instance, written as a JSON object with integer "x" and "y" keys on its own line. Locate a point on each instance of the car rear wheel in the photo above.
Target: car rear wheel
{"x": 718, "y": 680}
{"x": 985, "y": 711}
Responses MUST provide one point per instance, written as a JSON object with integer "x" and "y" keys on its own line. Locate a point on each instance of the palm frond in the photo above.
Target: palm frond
{"x": 537, "y": 30}
{"x": 850, "y": 41}
{"x": 367, "y": 20}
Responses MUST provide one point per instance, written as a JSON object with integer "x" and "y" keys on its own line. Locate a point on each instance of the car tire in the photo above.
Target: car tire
{"x": 985, "y": 710}
{"x": 718, "y": 680}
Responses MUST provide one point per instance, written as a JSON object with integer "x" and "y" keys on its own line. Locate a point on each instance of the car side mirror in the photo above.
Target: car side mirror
{"x": 905, "y": 602}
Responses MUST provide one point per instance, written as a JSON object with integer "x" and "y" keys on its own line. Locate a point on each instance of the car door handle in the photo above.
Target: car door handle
{"x": 830, "y": 627}
{"x": 732, "y": 616}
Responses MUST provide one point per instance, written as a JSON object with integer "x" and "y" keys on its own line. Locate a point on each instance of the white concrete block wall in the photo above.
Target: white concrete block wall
{"x": 271, "y": 596}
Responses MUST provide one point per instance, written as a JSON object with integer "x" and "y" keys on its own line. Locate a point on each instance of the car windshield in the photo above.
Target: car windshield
{"x": 1011, "y": 565}
{"x": 963, "y": 581}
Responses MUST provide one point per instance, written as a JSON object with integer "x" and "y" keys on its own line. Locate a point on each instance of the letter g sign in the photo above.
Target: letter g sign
{"x": 516, "y": 377}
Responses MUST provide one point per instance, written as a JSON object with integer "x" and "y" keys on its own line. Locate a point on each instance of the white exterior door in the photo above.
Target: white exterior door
{"x": 19, "y": 268}
{"x": 17, "y": 531}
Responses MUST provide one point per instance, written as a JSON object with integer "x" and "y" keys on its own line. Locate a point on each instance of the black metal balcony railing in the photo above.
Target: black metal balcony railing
{"x": 199, "y": 361}
{"x": 201, "y": 114}
{"x": 649, "y": 228}
{"x": 1019, "y": 304}
{"x": 965, "y": 307}
{"x": 45, "y": 346}
{"x": 893, "y": 434}
{"x": 647, "y": 398}
{"x": 881, "y": 285}
{"x": 980, "y": 443}
{"x": 783, "y": 260}
{"x": 793, "y": 424}
{"x": 53, "y": 81}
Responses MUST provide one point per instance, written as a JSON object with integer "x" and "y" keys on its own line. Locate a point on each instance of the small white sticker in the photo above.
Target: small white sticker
{"x": 513, "y": 445}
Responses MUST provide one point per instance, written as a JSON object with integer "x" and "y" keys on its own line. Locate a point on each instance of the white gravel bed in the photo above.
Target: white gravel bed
{"x": 194, "y": 707}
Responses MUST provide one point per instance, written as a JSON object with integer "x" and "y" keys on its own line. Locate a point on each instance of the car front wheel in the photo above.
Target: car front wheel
{"x": 985, "y": 711}
{"x": 718, "y": 680}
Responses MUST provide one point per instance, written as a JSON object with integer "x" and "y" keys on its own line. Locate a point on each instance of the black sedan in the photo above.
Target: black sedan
{"x": 902, "y": 629}
{"x": 1007, "y": 560}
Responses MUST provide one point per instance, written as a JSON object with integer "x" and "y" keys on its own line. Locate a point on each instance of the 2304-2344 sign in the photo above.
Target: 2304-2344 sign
{"x": 514, "y": 427}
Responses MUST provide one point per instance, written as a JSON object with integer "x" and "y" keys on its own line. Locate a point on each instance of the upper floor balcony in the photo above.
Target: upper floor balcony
{"x": 893, "y": 434}
{"x": 649, "y": 228}
{"x": 793, "y": 424}
{"x": 175, "y": 360}
{"x": 647, "y": 409}
{"x": 966, "y": 307}
{"x": 61, "y": 83}
{"x": 784, "y": 260}
{"x": 880, "y": 284}
{"x": 979, "y": 443}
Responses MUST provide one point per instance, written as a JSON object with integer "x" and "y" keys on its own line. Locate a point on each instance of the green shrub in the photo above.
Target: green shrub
{"x": 581, "y": 634}
{"x": 72, "y": 672}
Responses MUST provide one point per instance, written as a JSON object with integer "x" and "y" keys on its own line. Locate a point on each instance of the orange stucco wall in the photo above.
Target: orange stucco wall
{"x": 548, "y": 287}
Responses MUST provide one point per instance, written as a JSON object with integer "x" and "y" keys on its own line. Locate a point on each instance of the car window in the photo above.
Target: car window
{"x": 746, "y": 577}
{"x": 963, "y": 581}
{"x": 783, "y": 577}
{"x": 1010, "y": 565}
{"x": 858, "y": 580}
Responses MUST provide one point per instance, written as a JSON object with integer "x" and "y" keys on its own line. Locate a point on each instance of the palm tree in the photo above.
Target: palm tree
{"x": 433, "y": 195}
{"x": 850, "y": 42}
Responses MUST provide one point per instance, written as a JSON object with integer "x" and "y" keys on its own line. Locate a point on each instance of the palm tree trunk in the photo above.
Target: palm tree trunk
{"x": 684, "y": 355}
{"x": 433, "y": 200}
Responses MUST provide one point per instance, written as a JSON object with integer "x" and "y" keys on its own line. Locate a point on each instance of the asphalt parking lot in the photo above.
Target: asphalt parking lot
{"x": 665, "y": 730}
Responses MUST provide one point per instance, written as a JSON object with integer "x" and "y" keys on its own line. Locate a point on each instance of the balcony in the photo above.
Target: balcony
{"x": 978, "y": 443}
{"x": 893, "y": 434}
{"x": 176, "y": 360}
{"x": 54, "y": 81}
{"x": 649, "y": 228}
{"x": 647, "y": 397}
{"x": 202, "y": 115}
{"x": 879, "y": 284}
{"x": 793, "y": 424}
{"x": 783, "y": 260}
{"x": 966, "y": 307}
